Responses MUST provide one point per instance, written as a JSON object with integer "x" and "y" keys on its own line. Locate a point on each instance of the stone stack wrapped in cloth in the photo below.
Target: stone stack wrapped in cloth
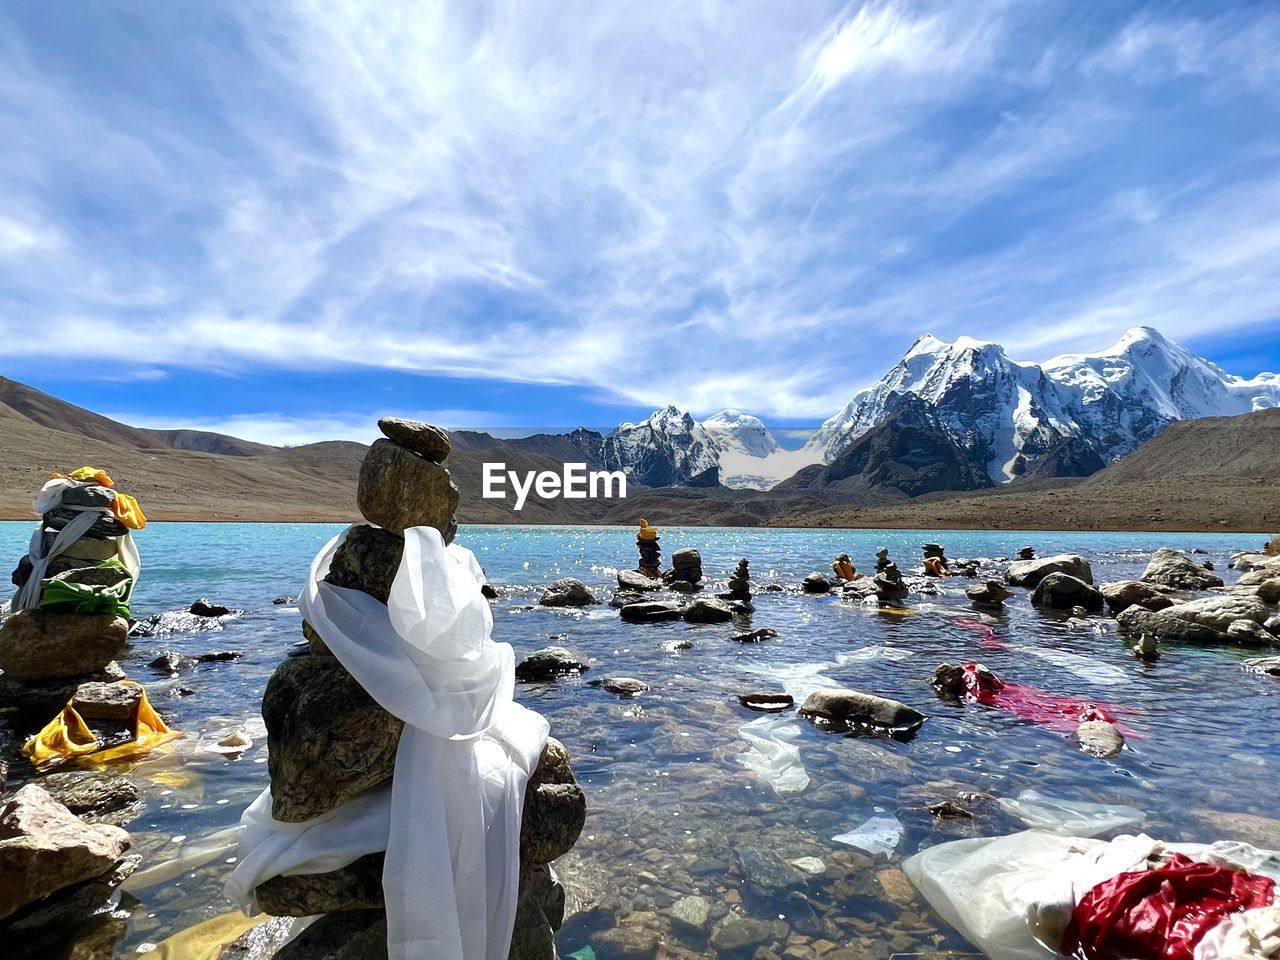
{"x": 650, "y": 551}
{"x": 70, "y": 614}
{"x": 412, "y": 801}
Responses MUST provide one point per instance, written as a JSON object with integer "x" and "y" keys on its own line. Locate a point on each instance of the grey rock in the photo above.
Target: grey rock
{"x": 1219, "y": 612}
{"x": 52, "y": 916}
{"x": 35, "y": 645}
{"x": 845, "y": 708}
{"x": 989, "y": 594}
{"x": 817, "y": 583}
{"x": 737, "y": 931}
{"x": 107, "y": 701}
{"x": 173, "y": 622}
{"x": 1267, "y": 665}
{"x": 171, "y": 662}
{"x": 45, "y": 848}
{"x": 349, "y": 935}
{"x": 1136, "y": 621}
{"x": 39, "y": 700}
{"x": 88, "y": 495}
{"x": 652, "y": 611}
{"x": 539, "y": 913}
{"x": 424, "y": 439}
{"x": 550, "y": 663}
{"x": 95, "y": 576}
{"x": 367, "y": 560}
{"x": 861, "y": 589}
{"x": 357, "y": 886}
{"x": 59, "y": 564}
{"x": 85, "y": 550}
{"x": 95, "y": 798}
{"x": 1248, "y": 633}
{"x": 106, "y": 526}
{"x": 765, "y": 871}
{"x": 205, "y": 608}
{"x": 626, "y": 943}
{"x": 555, "y": 808}
{"x": 623, "y": 686}
{"x": 567, "y": 592}
{"x": 1028, "y": 573}
{"x": 1123, "y": 594}
{"x": 327, "y": 739}
{"x": 624, "y": 598}
{"x": 708, "y": 610}
{"x": 1174, "y": 568}
{"x": 1060, "y": 591}
{"x": 692, "y": 913}
{"x": 1099, "y": 738}
{"x": 399, "y": 489}
{"x": 634, "y": 580}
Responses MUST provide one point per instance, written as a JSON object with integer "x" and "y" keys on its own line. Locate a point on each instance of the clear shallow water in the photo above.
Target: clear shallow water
{"x": 672, "y": 811}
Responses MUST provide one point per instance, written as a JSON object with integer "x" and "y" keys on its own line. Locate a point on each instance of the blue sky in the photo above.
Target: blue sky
{"x": 283, "y": 220}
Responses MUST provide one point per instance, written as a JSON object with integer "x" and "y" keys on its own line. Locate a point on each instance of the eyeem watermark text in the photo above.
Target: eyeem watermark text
{"x": 575, "y": 482}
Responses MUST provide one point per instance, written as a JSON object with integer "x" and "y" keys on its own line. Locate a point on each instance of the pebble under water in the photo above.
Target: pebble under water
{"x": 679, "y": 832}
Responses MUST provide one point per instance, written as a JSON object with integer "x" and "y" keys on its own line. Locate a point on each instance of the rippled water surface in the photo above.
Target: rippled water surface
{"x": 673, "y": 811}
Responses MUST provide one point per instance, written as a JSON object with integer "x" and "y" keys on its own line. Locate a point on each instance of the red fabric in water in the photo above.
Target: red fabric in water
{"x": 1160, "y": 913}
{"x": 1031, "y": 704}
{"x": 990, "y": 639}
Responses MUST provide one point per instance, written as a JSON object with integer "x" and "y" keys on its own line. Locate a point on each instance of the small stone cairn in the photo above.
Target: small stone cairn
{"x": 739, "y": 583}
{"x": 890, "y": 587}
{"x": 882, "y": 559}
{"x": 329, "y": 741}
{"x": 686, "y": 570}
{"x": 650, "y": 551}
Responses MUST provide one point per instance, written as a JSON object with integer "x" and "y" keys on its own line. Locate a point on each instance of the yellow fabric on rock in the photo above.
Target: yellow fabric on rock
{"x": 68, "y": 737}
{"x": 844, "y": 570}
{"x": 647, "y": 532}
{"x": 205, "y": 940}
{"x": 128, "y": 512}
{"x": 99, "y": 477}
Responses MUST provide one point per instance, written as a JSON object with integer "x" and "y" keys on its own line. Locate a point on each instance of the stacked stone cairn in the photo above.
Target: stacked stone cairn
{"x": 650, "y": 551}
{"x": 882, "y": 559}
{"x": 328, "y": 740}
{"x": 739, "y": 583}
{"x": 47, "y": 655}
{"x": 686, "y": 570}
{"x": 890, "y": 587}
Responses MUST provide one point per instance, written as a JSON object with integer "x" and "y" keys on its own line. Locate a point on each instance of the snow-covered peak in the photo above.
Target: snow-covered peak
{"x": 741, "y": 432}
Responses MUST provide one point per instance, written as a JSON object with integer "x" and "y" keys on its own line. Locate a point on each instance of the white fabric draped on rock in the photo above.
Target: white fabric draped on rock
{"x": 50, "y": 498}
{"x": 450, "y": 819}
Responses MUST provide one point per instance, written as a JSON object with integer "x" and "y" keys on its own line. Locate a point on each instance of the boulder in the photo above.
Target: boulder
{"x": 636, "y": 581}
{"x": 989, "y": 594}
{"x": 624, "y": 598}
{"x": 651, "y": 611}
{"x": 890, "y": 590}
{"x": 77, "y": 913}
{"x": 94, "y": 798}
{"x": 1268, "y": 591}
{"x": 708, "y": 611}
{"x": 623, "y": 686}
{"x": 739, "y": 932}
{"x": 205, "y": 608}
{"x": 356, "y": 886}
{"x": 1029, "y": 573}
{"x": 817, "y": 583}
{"x": 107, "y": 701}
{"x": 1267, "y": 665}
{"x": 172, "y": 663}
{"x": 555, "y": 808}
{"x": 45, "y": 848}
{"x": 686, "y": 565}
{"x": 399, "y": 489}
{"x": 1173, "y": 568}
{"x": 1245, "y": 562}
{"x": 427, "y": 441}
{"x": 848, "y": 708}
{"x": 1273, "y": 624}
{"x": 540, "y": 907}
{"x": 1248, "y": 633}
{"x": 347, "y": 935}
{"x": 39, "y": 700}
{"x": 58, "y": 565}
{"x": 35, "y": 645}
{"x": 1136, "y": 621}
{"x": 858, "y": 590}
{"x": 1099, "y": 738}
{"x": 567, "y": 592}
{"x": 367, "y": 560}
{"x": 1220, "y": 612}
{"x": 1060, "y": 591}
{"x": 550, "y": 663}
{"x": 327, "y": 739}
{"x": 1123, "y": 594}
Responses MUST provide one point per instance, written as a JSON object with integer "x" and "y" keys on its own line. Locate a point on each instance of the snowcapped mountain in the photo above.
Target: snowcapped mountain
{"x": 669, "y": 449}
{"x": 741, "y": 433}
{"x": 750, "y": 456}
{"x": 1008, "y": 414}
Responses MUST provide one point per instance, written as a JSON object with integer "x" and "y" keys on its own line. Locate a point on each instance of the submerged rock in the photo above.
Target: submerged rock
{"x": 171, "y": 622}
{"x": 624, "y": 686}
{"x": 1248, "y": 633}
{"x": 652, "y": 611}
{"x": 1175, "y": 569}
{"x": 1136, "y": 621}
{"x": 206, "y": 608}
{"x": 1029, "y": 573}
{"x": 989, "y": 594}
{"x": 1267, "y": 665}
{"x": 550, "y": 663}
{"x": 327, "y": 739}
{"x": 35, "y": 645}
{"x": 1099, "y": 738}
{"x": 1220, "y": 612}
{"x": 636, "y": 581}
{"x": 756, "y": 636}
{"x": 737, "y": 931}
{"x": 400, "y": 489}
{"x": 847, "y": 708}
{"x": 1123, "y": 594}
{"x": 1061, "y": 591}
{"x": 567, "y": 592}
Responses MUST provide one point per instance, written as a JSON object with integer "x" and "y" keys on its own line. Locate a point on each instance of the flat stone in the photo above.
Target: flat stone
{"x": 737, "y": 932}
{"x": 567, "y": 592}
{"x": 35, "y": 645}
{"x": 817, "y": 583}
{"x": 706, "y": 610}
{"x": 693, "y": 913}
{"x": 1099, "y": 738}
{"x": 327, "y": 739}
{"x": 367, "y": 560}
{"x": 626, "y": 943}
{"x": 989, "y": 594}
{"x": 45, "y": 848}
{"x": 107, "y": 701}
{"x": 550, "y": 663}
{"x": 652, "y": 611}
{"x": 39, "y": 700}
{"x": 1123, "y": 594}
{"x": 1173, "y": 568}
{"x": 1219, "y": 612}
{"x": 399, "y": 489}
{"x": 1136, "y": 621}
{"x": 69, "y": 908}
{"x": 424, "y": 439}
{"x": 624, "y": 686}
{"x": 1061, "y": 591}
{"x": 766, "y": 871}
{"x": 843, "y": 708}
{"x": 1028, "y": 573}
{"x": 636, "y": 581}
{"x": 94, "y": 798}
{"x": 94, "y": 576}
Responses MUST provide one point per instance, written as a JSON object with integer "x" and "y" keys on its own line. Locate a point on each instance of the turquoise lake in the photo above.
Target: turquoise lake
{"x": 671, "y": 808}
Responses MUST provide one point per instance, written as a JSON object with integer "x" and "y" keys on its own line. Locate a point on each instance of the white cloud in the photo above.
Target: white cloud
{"x": 280, "y": 430}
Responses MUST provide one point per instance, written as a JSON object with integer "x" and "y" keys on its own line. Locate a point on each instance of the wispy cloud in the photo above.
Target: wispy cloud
{"x": 746, "y": 205}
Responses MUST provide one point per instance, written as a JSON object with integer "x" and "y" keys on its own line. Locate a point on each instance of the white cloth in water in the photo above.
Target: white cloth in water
{"x": 1248, "y": 935}
{"x": 1071, "y": 818}
{"x": 50, "y": 498}
{"x": 774, "y": 754}
{"x": 450, "y": 820}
